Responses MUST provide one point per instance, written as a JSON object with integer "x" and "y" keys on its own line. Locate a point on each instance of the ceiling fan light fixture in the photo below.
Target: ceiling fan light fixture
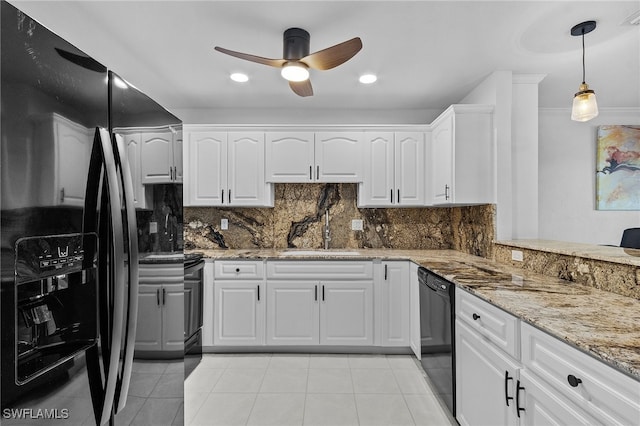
{"x": 295, "y": 71}
{"x": 584, "y": 106}
{"x": 239, "y": 77}
{"x": 368, "y": 78}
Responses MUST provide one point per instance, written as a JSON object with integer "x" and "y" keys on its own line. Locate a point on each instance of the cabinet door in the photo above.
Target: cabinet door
{"x": 338, "y": 156}
{"x": 149, "y": 326}
{"x": 157, "y": 157}
{"x": 378, "y": 182}
{"x": 207, "y": 168}
{"x": 442, "y": 161}
{"x": 172, "y": 299}
{"x": 74, "y": 144}
{"x": 395, "y": 304}
{"x": 132, "y": 143}
{"x": 346, "y": 313}
{"x": 409, "y": 168}
{"x": 482, "y": 384}
{"x": 177, "y": 155}
{"x": 245, "y": 169}
{"x": 545, "y": 406}
{"x": 290, "y": 157}
{"x": 207, "y": 305}
{"x": 239, "y": 313}
{"x": 293, "y": 313}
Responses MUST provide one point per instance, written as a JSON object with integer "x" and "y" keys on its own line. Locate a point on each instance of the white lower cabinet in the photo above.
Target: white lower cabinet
{"x": 239, "y": 313}
{"x": 319, "y": 312}
{"x": 292, "y": 313}
{"x": 545, "y": 381}
{"x": 346, "y": 313}
{"x": 160, "y": 326}
{"x": 394, "y": 311}
{"x": 485, "y": 378}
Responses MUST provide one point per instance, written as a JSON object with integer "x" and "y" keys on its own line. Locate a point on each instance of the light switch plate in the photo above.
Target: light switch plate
{"x": 516, "y": 255}
{"x": 224, "y": 224}
{"x": 153, "y": 227}
{"x": 356, "y": 225}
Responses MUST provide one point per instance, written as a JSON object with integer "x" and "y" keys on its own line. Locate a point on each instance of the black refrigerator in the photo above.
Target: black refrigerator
{"x": 69, "y": 234}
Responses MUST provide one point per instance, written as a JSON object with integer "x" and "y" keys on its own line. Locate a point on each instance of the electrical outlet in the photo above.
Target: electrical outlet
{"x": 356, "y": 225}
{"x": 224, "y": 224}
{"x": 153, "y": 227}
{"x": 516, "y": 255}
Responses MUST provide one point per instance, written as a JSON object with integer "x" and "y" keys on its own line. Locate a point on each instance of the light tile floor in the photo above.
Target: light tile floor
{"x": 155, "y": 397}
{"x": 310, "y": 389}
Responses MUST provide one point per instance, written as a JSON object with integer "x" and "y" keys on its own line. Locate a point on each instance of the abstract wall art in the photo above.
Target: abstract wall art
{"x": 618, "y": 168}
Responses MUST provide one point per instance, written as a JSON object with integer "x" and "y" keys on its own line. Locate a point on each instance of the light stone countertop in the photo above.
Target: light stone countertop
{"x": 602, "y": 324}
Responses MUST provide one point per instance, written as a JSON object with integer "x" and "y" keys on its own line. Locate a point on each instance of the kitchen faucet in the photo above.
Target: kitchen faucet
{"x": 166, "y": 228}
{"x": 327, "y": 231}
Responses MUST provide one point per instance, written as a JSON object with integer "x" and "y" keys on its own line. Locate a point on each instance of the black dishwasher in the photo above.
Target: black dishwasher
{"x": 193, "y": 307}
{"x": 436, "y": 334}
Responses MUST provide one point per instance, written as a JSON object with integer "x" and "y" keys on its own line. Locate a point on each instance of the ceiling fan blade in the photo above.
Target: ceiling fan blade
{"x": 253, "y": 58}
{"x": 333, "y": 56}
{"x": 302, "y": 88}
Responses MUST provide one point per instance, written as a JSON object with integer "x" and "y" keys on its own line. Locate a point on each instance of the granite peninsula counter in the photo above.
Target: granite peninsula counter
{"x": 603, "y": 324}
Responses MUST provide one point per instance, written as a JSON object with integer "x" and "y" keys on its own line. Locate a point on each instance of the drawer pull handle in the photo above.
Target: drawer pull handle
{"x": 573, "y": 380}
{"x": 506, "y": 388}
{"x": 476, "y": 317}
{"x": 518, "y": 389}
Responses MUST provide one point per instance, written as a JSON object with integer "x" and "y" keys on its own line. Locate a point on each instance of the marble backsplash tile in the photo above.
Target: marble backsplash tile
{"x": 297, "y": 220}
{"x": 613, "y": 277}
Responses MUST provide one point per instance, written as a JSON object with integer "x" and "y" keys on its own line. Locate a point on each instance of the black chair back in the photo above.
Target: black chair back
{"x": 631, "y": 238}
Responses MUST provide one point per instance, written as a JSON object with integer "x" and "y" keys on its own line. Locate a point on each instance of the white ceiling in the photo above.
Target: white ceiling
{"x": 427, "y": 54}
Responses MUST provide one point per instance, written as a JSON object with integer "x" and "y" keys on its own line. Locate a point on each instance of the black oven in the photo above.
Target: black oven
{"x": 437, "y": 334}
{"x": 193, "y": 307}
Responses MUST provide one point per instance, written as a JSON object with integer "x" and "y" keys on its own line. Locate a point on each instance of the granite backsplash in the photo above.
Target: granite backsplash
{"x": 297, "y": 220}
{"x": 167, "y": 215}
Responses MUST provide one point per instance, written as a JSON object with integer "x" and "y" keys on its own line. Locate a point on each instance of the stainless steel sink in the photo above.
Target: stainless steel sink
{"x": 319, "y": 253}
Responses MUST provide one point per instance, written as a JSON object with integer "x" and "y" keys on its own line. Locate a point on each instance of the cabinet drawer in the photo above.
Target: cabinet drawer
{"x": 238, "y": 269}
{"x": 605, "y": 392}
{"x": 320, "y": 270}
{"x": 501, "y": 328}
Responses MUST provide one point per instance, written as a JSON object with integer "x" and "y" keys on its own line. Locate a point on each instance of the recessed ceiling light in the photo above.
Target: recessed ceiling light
{"x": 368, "y": 78}
{"x": 239, "y": 77}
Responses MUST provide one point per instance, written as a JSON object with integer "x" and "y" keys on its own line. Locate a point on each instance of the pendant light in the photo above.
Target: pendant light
{"x": 585, "y": 106}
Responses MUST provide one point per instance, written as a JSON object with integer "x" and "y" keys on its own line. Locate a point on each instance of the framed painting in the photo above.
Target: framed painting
{"x": 618, "y": 168}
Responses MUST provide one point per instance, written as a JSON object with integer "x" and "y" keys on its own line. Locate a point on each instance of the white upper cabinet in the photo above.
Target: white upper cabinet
{"x": 290, "y": 157}
{"x": 225, "y": 169}
{"x": 177, "y": 155}
{"x": 206, "y": 175}
{"x": 394, "y": 170}
{"x": 132, "y": 146}
{"x": 69, "y": 158}
{"x": 313, "y": 157}
{"x": 245, "y": 170}
{"x": 338, "y": 156}
{"x": 463, "y": 156}
{"x": 158, "y": 161}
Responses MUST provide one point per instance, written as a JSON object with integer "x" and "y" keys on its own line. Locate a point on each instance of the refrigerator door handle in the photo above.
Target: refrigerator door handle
{"x": 117, "y": 253}
{"x": 132, "y": 306}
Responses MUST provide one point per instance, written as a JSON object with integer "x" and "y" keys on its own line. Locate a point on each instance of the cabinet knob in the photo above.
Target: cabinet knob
{"x": 476, "y": 317}
{"x": 573, "y": 380}
{"x": 237, "y": 269}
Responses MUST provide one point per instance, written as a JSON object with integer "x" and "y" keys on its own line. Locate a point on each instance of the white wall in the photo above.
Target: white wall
{"x": 567, "y": 164}
{"x": 497, "y": 90}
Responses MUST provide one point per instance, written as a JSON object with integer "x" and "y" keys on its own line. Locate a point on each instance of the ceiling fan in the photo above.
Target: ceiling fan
{"x": 297, "y": 60}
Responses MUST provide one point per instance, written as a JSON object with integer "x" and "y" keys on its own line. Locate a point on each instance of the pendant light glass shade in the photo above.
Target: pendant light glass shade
{"x": 585, "y": 106}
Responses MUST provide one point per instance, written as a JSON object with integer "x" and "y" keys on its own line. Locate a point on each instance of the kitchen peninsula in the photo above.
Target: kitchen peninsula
{"x": 603, "y": 324}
